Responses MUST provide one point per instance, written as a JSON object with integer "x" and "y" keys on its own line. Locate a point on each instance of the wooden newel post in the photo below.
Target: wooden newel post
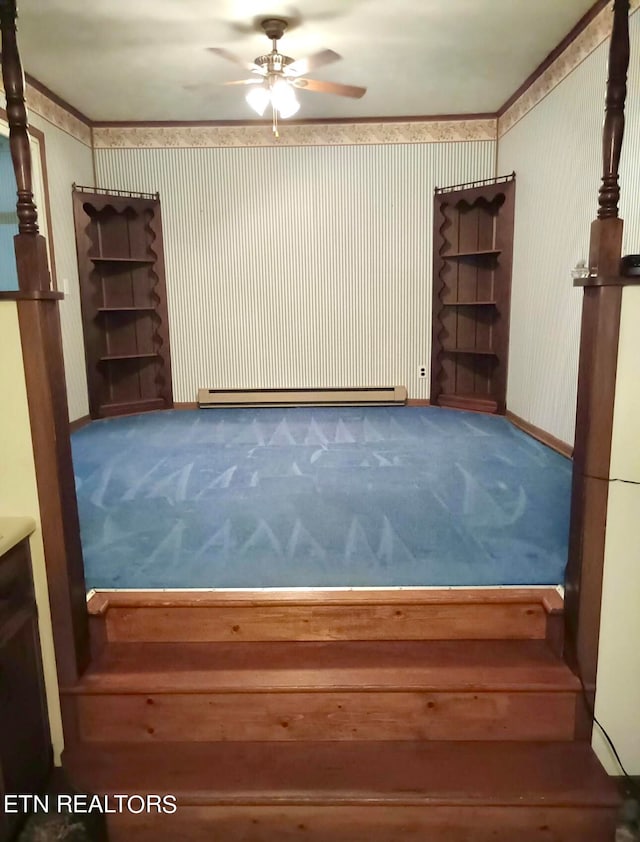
{"x": 39, "y": 321}
{"x": 17, "y": 115}
{"x": 30, "y": 246}
{"x": 596, "y": 381}
{"x": 613, "y": 132}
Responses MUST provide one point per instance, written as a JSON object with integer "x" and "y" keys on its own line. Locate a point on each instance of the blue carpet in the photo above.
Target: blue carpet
{"x": 349, "y": 496}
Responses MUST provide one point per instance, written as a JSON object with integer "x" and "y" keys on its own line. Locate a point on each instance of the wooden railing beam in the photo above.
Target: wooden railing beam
{"x": 40, "y": 334}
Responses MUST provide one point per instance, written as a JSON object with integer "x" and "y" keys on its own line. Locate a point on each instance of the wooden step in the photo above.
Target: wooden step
{"x": 349, "y": 792}
{"x": 373, "y": 690}
{"x": 338, "y": 665}
{"x": 398, "y": 614}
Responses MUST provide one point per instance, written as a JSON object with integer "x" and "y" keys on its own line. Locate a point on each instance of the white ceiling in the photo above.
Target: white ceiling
{"x": 134, "y": 60}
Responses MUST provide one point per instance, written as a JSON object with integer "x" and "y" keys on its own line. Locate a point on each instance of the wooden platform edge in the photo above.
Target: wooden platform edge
{"x": 548, "y": 598}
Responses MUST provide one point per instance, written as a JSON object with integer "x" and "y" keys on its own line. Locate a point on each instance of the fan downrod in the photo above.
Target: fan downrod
{"x": 274, "y": 28}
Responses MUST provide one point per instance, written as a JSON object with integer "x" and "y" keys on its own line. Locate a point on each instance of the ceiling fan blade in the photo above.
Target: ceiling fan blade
{"x": 234, "y": 59}
{"x": 312, "y": 62}
{"x": 255, "y": 81}
{"x": 329, "y": 88}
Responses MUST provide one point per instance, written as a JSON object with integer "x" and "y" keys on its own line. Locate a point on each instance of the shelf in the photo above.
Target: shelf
{"x": 141, "y": 260}
{"x": 478, "y": 401}
{"x": 128, "y": 356}
{"x": 125, "y": 309}
{"x": 607, "y": 281}
{"x": 142, "y": 405}
{"x": 123, "y": 298}
{"x": 31, "y": 295}
{"x": 468, "y": 303}
{"x": 472, "y": 244}
{"x": 482, "y": 351}
{"x": 479, "y": 253}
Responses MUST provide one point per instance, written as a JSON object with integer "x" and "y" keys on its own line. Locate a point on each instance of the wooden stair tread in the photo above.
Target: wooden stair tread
{"x": 425, "y": 773}
{"x": 325, "y": 615}
{"x": 102, "y": 601}
{"x": 527, "y": 665}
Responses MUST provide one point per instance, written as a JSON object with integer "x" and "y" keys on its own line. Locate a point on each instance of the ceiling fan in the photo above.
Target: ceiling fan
{"x": 277, "y": 76}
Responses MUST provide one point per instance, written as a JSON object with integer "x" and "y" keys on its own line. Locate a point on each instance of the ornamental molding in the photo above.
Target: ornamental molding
{"x": 316, "y": 134}
{"x": 591, "y": 37}
{"x": 54, "y": 113}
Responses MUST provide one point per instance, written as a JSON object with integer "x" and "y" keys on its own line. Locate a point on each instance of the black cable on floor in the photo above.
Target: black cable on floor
{"x": 630, "y": 782}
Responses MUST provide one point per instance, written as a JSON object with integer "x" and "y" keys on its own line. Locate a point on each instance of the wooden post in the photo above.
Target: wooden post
{"x": 596, "y": 382}
{"x": 29, "y": 244}
{"x": 39, "y": 321}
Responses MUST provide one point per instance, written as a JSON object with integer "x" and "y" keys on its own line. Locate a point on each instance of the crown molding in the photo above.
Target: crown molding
{"x": 557, "y": 51}
{"x": 44, "y": 103}
{"x": 49, "y": 94}
{"x": 307, "y": 121}
{"x": 590, "y": 33}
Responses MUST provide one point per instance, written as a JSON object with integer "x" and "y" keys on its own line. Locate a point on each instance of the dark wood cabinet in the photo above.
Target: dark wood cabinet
{"x": 25, "y": 742}
{"x": 472, "y": 261}
{"x": 123, "y": 297}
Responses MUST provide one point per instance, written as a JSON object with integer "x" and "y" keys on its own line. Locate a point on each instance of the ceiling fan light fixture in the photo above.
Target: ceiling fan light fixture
{"x": 279, "y": 75}
{"x": 283, "y": 99}
{"x": 258, "y": 98}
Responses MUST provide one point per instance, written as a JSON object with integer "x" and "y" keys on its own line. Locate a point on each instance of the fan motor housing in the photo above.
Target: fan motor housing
{"x": 274, "y": 28}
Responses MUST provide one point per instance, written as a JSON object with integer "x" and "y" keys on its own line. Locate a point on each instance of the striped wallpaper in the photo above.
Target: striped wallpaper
{"x": 298, "y": 266}
{"x": 556, "y": 152}
{"x": 68, "y": 160}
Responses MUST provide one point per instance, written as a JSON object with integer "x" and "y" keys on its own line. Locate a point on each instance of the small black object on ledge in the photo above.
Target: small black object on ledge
{"x": 630, "y": 265}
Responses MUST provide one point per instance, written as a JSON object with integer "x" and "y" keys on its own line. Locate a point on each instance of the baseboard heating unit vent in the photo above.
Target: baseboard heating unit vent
{"x": 361, "y": 396}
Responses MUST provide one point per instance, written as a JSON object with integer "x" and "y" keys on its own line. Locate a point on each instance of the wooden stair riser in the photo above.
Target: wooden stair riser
{"x": 353, "y": 791}
{"x": 97, "y": 635}
{"x": 355, "y": 823}
{"x": 518, "y": 621}
{"x": 268, "y": 720}
{"x": 326, "y": 715}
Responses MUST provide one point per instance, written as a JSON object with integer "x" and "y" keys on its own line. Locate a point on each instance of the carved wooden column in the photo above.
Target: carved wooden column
{"x": 597, "y": 380}
{"x": 39, "y": 321}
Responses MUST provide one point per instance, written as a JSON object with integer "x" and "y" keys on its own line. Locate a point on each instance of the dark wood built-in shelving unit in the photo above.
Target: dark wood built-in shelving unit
{"x": 95, "y": 259}
{"x": 124, "y": 309}
{"x": 480, "y": 253}
{"x": 472, "y": 257}
{"x": 470, "y": 303}
{"x": 123, "y": 295}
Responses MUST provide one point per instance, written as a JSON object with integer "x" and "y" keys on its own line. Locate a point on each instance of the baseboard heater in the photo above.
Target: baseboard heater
{"x": 360, "y": 396}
